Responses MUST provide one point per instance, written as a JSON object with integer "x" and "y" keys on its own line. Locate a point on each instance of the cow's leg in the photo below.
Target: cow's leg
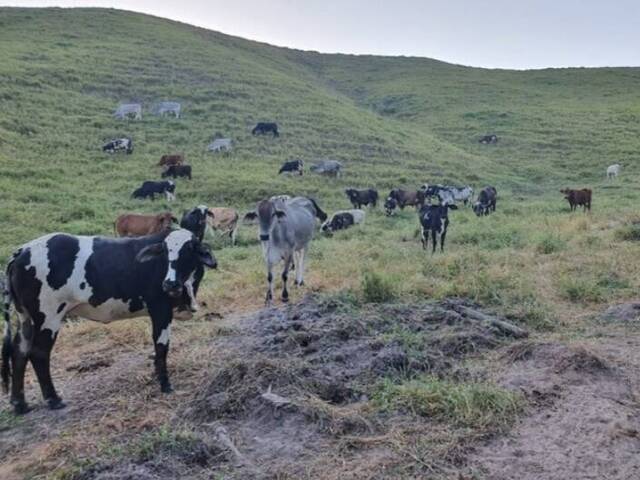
{"x": 442, "y": 237}
{"x": 434, "y": 241}
{"x": 285, "y": 277}
{"x": 233, "y": 235}
{"x": 269, "y": 297}
{"x": 424, "y": 238}
{"x": 22, "y": 348}
{"x": 40, "y": 356}
{"x": 161, "y": 328}
{"x": 302, "y": 255}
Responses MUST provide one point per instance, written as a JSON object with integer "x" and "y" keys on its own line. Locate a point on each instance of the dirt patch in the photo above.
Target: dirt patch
{"x": 622, "y": 312}
{"x": 584, "y": 420}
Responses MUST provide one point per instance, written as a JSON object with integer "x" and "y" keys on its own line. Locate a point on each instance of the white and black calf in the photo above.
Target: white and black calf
{"x": 98, "y": 278}
{"x": 447, "y": 194}
{"x": 434, "y": 219}
{"x": 342, "y": 220}
{"x": 294, "y": 166}
{"x": 124, "y": 144}
{"x": 151, "y": 189}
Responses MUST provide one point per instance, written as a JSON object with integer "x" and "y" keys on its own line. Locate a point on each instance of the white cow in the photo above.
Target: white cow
{"x": 613, "y": 170}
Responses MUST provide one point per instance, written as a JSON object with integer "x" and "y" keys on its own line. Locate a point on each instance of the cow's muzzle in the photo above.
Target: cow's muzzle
{"x": 264, "y": 238}
{"x": 172, "y": 288}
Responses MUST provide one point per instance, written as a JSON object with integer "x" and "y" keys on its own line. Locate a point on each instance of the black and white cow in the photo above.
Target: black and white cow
{"x": 358, "y": 198}
{"x": 151, "y": 188}
{"x": 292, "y": 167}
{"x": 102, "y": 279}
{"x": 390, "y": 205}
{"x": 175, "y": 171}
{"x": 342, "y": 220}
{"x": 195, "y": 220}
{"x": 489, "y": 139}
{"x": 434, "y": 219}
{"x": 124, "y": 144}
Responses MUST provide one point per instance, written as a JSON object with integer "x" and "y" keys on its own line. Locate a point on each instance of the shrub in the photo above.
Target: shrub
{"x": 478, "y": 405}
{"x": 580, "y": 290}
{"x": 550, "y": 243}
{"x": 377, "y": 288}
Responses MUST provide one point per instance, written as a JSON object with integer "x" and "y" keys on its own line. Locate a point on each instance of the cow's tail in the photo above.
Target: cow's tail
{"x": 319, "y": 213}
{"x": 7, "y": 347}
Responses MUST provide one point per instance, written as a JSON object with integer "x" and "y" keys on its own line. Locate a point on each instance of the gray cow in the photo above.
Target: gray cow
{"x": 331, "y": 168}
{"x": 173, "y": 108}
{"x": 220, "y": 144}
{"x": 129, "y": 110}
{"x": 285, "y": 232}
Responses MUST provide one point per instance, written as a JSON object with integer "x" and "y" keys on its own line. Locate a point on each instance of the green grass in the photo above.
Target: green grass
{"x": 475, "y": 405}
{"x": 391, "y": 121}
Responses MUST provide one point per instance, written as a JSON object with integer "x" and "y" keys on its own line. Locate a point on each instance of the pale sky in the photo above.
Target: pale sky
{"x": 485, "y": 33}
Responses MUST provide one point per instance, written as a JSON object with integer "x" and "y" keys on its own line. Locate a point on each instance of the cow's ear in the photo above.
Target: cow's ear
{"x": 209, "y": 213}
{"x": 250, "y": 216}
{"x": 206, "y": 257}
{"x": 280, "y": 214}
{"x": 150, "y": 252}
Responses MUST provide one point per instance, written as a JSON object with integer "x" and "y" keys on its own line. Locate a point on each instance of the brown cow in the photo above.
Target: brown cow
{"x": 225, "y": 220}
{"x": 578, "y": 197}
{"x": 169, "y": 160}
{"x": 404, "y": 198}
{"x": 136, "y": 225}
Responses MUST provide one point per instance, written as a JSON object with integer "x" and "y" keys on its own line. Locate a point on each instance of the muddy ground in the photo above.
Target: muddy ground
{"x": 290, "y": 392}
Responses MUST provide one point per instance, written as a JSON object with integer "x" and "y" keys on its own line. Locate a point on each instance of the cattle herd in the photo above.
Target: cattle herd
{"x": 156, "y": 265}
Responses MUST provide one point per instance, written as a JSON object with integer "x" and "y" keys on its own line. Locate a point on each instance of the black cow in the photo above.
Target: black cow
{"x": 262, "y": 128}
{"x": 151, "y": 189}
{"x": 177, "y": 171}
{"x": 487, "y": 139}
{"x": 486, "y": 202}
{"x": 102, "y": 279}
{"x": 359, "y": 198}
{"x": 124, "y": 144}
{"x": 292, "y": 166}
{"x": 195, "y": 220}
{"x": 403, "y": 198}
{"x": 434, "y": 219}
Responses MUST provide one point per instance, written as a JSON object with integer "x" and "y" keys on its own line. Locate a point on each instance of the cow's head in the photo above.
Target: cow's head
{"x": 183, "y": 254}
{"x": 267, "y": 215}
{"x": 166, "y": 220}
{"x": 478, "y": 208}
{"x": 351, "y": 192}
{"x": 171, "y": 186}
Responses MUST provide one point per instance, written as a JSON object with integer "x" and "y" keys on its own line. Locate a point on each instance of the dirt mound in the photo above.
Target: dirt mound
{"x": 622, "y": 312}
{"x": 583, "y": 421}
{"x": 296, "y": 378}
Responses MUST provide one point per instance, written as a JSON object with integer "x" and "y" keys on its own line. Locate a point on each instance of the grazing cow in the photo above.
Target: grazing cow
{"x": 173, "y": 108}
{"x": 176, "y": 171}
{"x": 292, "y": 166}
{"x": 390, "y": 205}
{"x": 134, "y": 225}
{"x": 486, "y": 202}
{"x": 98, "y": 278}
{"x": 169, "y": 160}
{"x": 447, "y": 194}
{"x": 129, "y": 110}
{"x": 613, "y": 170}
{"x": 359, "y": 198}
{"x": 262, "y": 128}
{"x": 195, "y": 220}
{"x": 577, "y": 198}
{"x": 220, "y": 144}
{"x": 124, "y": 144}
{"x": 487, "y": 139}
{"x": 434, "y": 219}
{"x": 342, "y": 220}
{"x": 285, "y": 232}
{"x": 404, "y": 198}
{"x": 224, "y": 220}
{"x": 331, "y": 168}
{"x": 150, "y": 188}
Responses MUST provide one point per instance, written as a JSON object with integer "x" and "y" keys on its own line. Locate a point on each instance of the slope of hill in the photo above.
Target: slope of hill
{"x": 392, "y": 122}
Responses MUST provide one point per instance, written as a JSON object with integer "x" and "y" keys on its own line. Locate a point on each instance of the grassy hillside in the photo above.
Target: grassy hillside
{"x": 392, "y": 122}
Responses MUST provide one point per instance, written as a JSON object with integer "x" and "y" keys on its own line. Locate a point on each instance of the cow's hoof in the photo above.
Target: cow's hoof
{"x": 285, "y": 299}
{"x": 166, "y": 388}
{"x": 21, "y": 408}
{"x": 300, "y": 284}
{"x": 55, "y": 404}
